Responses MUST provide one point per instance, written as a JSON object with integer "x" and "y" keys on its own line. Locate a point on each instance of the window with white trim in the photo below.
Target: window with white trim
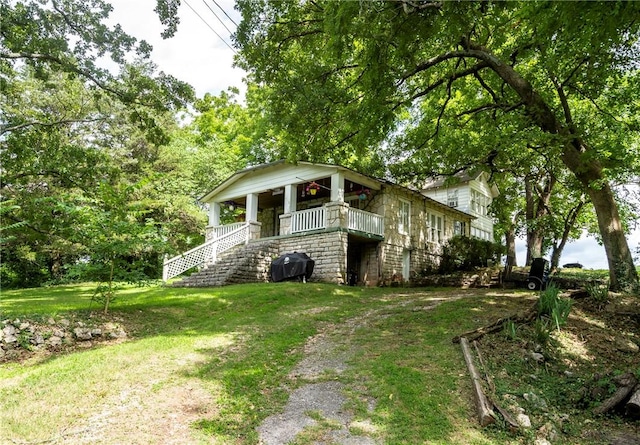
{"x": 459, "y": 228}
{"x": 479, "y": 203}
{"x": 404, "y": 216}
{"x": 452, "y": 198}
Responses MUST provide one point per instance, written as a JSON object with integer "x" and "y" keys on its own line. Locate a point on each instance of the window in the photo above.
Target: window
{"x": 459, "y": 228}
{"x": 433, "y": 238}
{"x": 479, "y": 203}
{"x": 439, "y": 229}
{"x": 452, "y": 198}
{"x": 404, "y": 217}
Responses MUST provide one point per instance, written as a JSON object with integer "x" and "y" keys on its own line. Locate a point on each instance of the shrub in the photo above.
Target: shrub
{"x": 465, "y": 253}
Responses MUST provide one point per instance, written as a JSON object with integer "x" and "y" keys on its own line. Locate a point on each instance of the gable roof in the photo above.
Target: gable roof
{"x": 256, "y": 179}
{"x": 458, "y": 178}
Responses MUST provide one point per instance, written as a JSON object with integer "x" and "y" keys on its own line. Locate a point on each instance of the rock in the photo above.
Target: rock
{"x": 51, "y": 321}
{"x": 10, "y": 339}
{"x": 537, "y": 357}
{"x": 65, "y": 322}
{"x": 58, "y": 333}
{"x": 54, "y": 340}
{"x": 523, "y": 420}
{"x": 541, "y": 441}
{"x": 37, "y": 339}
{"x": 96, "y": 332}
{"x": 82, "y": 333}
{"x": 535, "y": 401}
{"x": 9, "y": 330}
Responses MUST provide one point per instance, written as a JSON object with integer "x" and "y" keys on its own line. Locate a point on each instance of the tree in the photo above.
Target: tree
{"x": 68, "y": 124}
{"x": 416, "y": 75}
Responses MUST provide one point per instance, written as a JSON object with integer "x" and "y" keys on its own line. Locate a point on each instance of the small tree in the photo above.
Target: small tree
{"x": 120, "y": 240}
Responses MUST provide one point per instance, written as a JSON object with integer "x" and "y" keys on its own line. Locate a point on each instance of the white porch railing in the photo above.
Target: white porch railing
{"x": 306, "y": 220}
{"x": 220, "y": 231}
{"x": 205, "y": 252}
{"x": 366, "y": 222}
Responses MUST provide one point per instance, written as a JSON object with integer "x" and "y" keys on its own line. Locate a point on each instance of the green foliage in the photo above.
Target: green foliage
{"x": 445, "y": 86}
{"x": 597, "y": 292}
{"x": 551, "y": 306}
{"x": 466, "y": 253}
{"x": 542, "y": 331}
{"x": 510, "y": 330}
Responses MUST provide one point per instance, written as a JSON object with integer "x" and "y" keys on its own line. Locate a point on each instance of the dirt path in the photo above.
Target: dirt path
{"x": 316, "y": 409}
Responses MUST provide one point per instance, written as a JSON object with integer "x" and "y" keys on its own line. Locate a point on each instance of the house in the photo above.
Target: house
{"x": 469, "y": 192}
{"x": 348, "y": 222}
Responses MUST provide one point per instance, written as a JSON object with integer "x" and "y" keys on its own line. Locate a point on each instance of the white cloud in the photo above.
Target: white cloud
{"x": 585, "y": 251}
{"x": 195, "y": 54}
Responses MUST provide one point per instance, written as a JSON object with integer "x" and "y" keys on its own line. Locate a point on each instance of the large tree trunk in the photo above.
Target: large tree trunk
{"x": 578, "y": 158}
{"x": 537, "y": 208}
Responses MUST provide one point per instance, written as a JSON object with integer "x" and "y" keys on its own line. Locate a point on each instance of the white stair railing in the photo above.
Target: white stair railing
{"x": 366, "y": 222}
{"x": 306, "y": 220}
{"x": 208, "y": 251}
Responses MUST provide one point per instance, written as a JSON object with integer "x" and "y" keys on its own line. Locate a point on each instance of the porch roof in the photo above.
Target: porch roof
{"x": 264, "y": 177}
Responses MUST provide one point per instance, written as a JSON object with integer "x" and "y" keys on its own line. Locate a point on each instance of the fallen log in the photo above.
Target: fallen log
{"x": 486, "y": 415}
{"x": 628, "y": 382}
{"x": 524, "y": 317}
{"x": 632, "y": 408}
{"x": 513, "y": 424}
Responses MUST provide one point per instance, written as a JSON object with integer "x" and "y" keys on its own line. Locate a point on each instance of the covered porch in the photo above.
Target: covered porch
{"x": 303, "y": 199}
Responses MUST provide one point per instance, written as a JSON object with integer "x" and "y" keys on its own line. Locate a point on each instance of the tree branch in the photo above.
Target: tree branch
{"x": 70, "y": 67}
{"x": 8, "y": 129}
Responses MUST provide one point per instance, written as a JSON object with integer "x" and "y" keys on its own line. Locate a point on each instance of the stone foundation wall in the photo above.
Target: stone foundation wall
{"x": 327, "y": 249}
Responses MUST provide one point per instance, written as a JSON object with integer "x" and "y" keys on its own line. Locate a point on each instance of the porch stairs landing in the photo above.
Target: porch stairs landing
{"x": 248, "y": 263}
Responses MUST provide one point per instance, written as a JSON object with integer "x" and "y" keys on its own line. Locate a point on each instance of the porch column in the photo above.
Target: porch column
{"x": 337, "y": 187}
{"x": 290, "y": 198}
{"x": 214, "y": 213}
{"x": 252, "y": 207}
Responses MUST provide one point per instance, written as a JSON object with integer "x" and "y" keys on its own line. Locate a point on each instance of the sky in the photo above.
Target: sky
{"x": 201, "y": 58}
{"x": 195, "y": 54}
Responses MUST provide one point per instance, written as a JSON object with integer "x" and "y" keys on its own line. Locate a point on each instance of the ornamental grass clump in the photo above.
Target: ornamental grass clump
{"x": 553, "y": 307}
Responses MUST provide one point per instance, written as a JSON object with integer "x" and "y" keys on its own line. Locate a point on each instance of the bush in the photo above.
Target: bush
{"x": 464, "y": 253}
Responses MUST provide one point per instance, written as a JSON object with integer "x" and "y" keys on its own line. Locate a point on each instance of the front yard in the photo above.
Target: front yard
{"x": 216, "y": 365}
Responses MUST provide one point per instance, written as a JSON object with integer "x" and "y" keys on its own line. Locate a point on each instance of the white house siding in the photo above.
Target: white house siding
{"x": 482, "y": 226}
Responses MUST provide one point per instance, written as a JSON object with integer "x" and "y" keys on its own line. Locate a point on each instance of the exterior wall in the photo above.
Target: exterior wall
{"x": 327, "y": 249}
{"x": 420, "y": 246}
{"x": 483, "y": 223}
{"x": 270, "y": 221}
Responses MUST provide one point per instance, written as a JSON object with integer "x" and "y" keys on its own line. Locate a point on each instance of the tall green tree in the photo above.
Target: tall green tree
{"x": 347, "y": 76}
{"x": 68, "y": 125}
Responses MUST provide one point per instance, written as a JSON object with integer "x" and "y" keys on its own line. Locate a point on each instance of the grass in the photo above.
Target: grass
{"x": 209, "y": 365}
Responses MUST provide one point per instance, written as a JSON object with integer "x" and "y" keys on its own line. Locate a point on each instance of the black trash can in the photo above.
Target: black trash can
{"x": 538, "y": 274}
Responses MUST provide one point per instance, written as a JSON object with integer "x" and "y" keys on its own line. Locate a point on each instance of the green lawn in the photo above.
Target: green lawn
{"x": 216, "y": 362}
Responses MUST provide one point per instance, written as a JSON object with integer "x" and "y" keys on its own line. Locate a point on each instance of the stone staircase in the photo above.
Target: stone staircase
{"x": 248, "y": 263}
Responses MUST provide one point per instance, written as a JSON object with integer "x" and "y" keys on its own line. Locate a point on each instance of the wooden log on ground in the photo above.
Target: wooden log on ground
{"x": 525, "y": 317}
{"x": 513, "y": 424}
{"x": 632, "y": 408}
{"x": 486, "y": 415}
{"x": 628, "y": 382}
